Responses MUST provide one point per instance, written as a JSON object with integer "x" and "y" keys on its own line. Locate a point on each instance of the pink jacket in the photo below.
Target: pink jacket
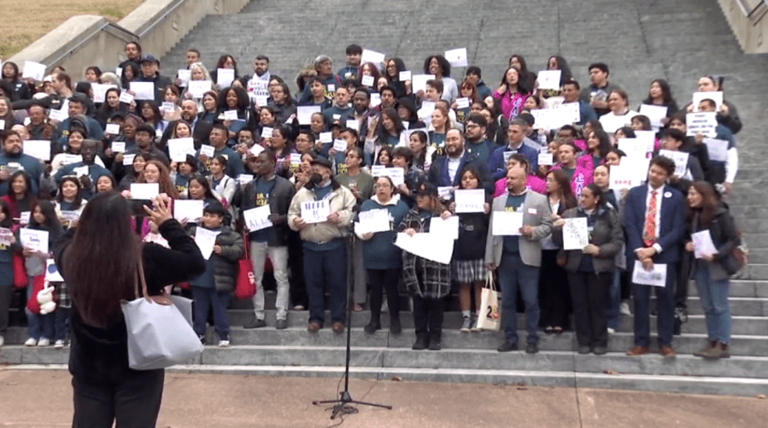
{"x": 533, "y": 182}
{"x": 581, "y": 177}
{"x": 510, "y": 106}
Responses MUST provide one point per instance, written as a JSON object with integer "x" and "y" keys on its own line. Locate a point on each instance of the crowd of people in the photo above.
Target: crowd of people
{"x": 373, "y": 139}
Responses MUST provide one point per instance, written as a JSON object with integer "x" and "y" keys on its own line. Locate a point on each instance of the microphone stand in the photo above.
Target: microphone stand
{"x": 342, "y": 405}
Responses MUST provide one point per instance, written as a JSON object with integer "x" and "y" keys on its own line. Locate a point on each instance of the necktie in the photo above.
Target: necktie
{"x": 649, "y": 232}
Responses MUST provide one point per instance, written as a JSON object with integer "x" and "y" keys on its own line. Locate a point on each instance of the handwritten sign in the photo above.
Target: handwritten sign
{"x": 702, "y": 244}
{"x": 257, "y": 218}
{"x": 315, "y": 211}
{"x": 549, "y": 79}
{"x": 373, "y": 221}
{"x": 225, "y": 77}
{"x": 470, "y": 200}
{"x": 35, "y": 240}
{"x": 198, "y": 88}
{"x": 701, "y": 123}
{"x": 404, "y": 75}
{"x": 207, "y": 150}
{"x": 680, "y": 158}
{"x": 575, "y": 233}
{"x": 179, "y": 148}
{"x": 656, "y": 277}
{"x": 718, "y": 149}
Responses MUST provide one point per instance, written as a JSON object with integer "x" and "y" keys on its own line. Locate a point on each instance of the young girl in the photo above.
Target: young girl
{"x": 181, "y": 173}
{"x": 41, "y": 328}
{"x": 222, "y": 184}
{"x": 427, "y": 281}
{"x": 69, "y": 202}
{"x": 469, "y": 254}
{"x": 6, "y": 269}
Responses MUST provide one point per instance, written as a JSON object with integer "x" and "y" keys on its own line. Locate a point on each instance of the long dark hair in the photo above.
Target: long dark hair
{"x": 568, "y": 200}
{"x": 78, "y": 197}
{"x": 101, "y": 263}
{"x": 709, "y": 203}
{"x": 7, "y": 222}
{"x": 51, "y": 223}
{"x": 207, "y": 192}
{"x": 565, "y": 70}
{"x": 666, "y": 92}
{"x": 391, "y": 113}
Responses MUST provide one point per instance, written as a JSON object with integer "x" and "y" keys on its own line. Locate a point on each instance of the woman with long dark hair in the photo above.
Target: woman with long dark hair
{"x": 660, "y": 95}
{"x": 12, "y": 75}
{"x": 553, "y": 283}
{"x": 104, "y": 387}
{"x": 511, "y": 93}
{"x": 711, "y": 271}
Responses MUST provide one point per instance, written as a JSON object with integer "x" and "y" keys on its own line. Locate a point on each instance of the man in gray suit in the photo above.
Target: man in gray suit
{"x": 518, "y": 257}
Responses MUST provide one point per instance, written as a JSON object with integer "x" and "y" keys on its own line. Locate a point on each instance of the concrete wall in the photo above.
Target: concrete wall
{"x": 87, "y": 40}
{"x": 749, "y": 21}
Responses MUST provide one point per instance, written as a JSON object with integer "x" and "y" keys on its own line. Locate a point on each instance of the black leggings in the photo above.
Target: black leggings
{"x": 132, "y": 397}
{"x": 381, "y": 280}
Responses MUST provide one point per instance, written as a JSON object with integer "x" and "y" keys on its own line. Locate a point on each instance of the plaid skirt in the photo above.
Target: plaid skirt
{"x": 468, "y": 271}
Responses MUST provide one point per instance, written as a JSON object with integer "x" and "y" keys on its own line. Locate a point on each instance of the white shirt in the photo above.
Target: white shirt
{"x": 453, "y": 166}
{"x": 659, "y": 198}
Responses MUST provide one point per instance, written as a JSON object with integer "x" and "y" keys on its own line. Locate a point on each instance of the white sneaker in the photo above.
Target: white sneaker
{"x": 30, "y": 342}
{"x": 59, "y": 344}
{"x": 223, "y": 343}
{"x": 2, "y": 340}
{"x": 43, "y": 342}
{"x": 611, "y": 331}
{"x": 624, "y": 309}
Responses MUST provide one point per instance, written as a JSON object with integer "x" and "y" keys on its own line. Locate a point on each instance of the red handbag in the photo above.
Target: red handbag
{"x": 38, "y": 283}
{"x": 245, "y": 288}
{"x": 20, "y": 279}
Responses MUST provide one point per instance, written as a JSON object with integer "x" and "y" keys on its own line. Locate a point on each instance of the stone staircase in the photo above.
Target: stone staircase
{"x": 640, "y": 40}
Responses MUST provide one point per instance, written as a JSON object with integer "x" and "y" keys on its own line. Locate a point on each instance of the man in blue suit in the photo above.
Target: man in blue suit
{"x": 517, "y": 143}
{"x": 445, "y": 171}
{"x": 654, "y": 224}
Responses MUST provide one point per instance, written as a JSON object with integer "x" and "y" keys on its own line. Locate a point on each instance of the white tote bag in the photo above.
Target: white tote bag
{"x": 159, "y": 335}
{"x": 490, "y": 306}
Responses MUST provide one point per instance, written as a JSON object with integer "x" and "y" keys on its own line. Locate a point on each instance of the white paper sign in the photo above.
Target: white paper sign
{"x": 144, "y": 190}
{"x": 207, "y": 150}
{"x": 470, "y": 200}
{"x": 295, "y": 159}
{"x": 701, "y": 123}
{"x": 128, "y": 160}
{"x": 184, "y": 75}
{"x": 266, "y": 132}
{"x": 225, "y": 77}
{"x": 188, "y": 209}
{"x": 256, "y": 149}
{"x": 245, "y": 178}
{"x": 444, "y": 192}
{"x": 58, "y": 115}
{"x": 5, "y": 236}
{"x": 419, "y": 81}
{"x": 33, "y": 70}
{"x": 100, "y": 91}
{"x": 367, "y": 80}
{"x": 680, "y": 158}
{"x": 372, "y": 56}
{"x": 546, "y": 159}
{"x": 634, "y": 148}
{"x": 654, "y": 114}
{"x": 52, "y": 272}
{"x": 718, "y": 149}
{"x": 447, "y": 228}
{"x": 326, "y": 137}
{"x": 623, "y": 177}
{"x": 506, "y": 223}
{"x": 35, "y": 240}
{"x": 698, "y": 97}
{"x": 397, "y": 175}
{"x": 230, "y": 115}
{"x": 304, "y": 113}
{"x": 404, "y": 75}
{"x": 40, "y": 149}
{"x": 549, "y": 79}
{"x": 375, "y": 99}
{"x": 24, "y": 217}
{"x": 125, "y": 97}
{"x": 198, "y": 88}
{"x": 315, "y": 211}
{"x": 81, "y": 171}
{"x": 426, "y": 110}
{"x": 112, "y": 129}
{"x": 205, "y": 240}
{"x": 377, "y": 170}
{"x": 457, "y": 57}
{"x": 373, "y": 221}
{"x": 143, "y": 90}
{"x": 462, "y": 102}
{"x": 702, "y": 244}
{"x": 340, "y": 146}
{"x": 257, "y": 218}
{"x": 427, "y": 245}
{"x": 575, "y": 234}
{"x": 656, "y": 277}
{"x": 118, "y": 146}
{"x": 353, "y": 124}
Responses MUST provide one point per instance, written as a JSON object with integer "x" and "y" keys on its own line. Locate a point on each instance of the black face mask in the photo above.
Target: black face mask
{"x": 315, "y": 178}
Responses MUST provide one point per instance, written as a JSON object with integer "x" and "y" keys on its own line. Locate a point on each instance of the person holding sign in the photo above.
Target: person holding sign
{"x": 269, "y": 189}
{"x": 444, "y": 170}
{"x": 553, "y": 280}
{"x": 660, "y": 95}
{"x": 578, "y": 175}
{"x": 12, "y": 159}
{"x": 728, "y": 115}
{"x": 91, "y": 171}
{"x": 47, "y": 230}
{"x": 325, "y": 251}
{"x": 402, "y": 157}
{"x": 655, "y": 226}
{"x": 468, "y": 261}
{"x": 512, "y": 93}
{"x": 672, "y": 141}
{"x": 349, "y": 71}
{"x": 212, "y": 289}
{"x": 427, "y": 281}
{"x": 69, "y": 202}
{"x": 382, "y": 260}
{"x": 694, "y": 145}
{"x": 317, "y": 90}
{"x": 150, "y": 72}
{"x": 712, "y": 269}
{"x": 517, "y": 143}
{"x": 518, "y": 257}
{"x": 590, "y": 268}
{"x": 439, "y": 67}
{"x": 722, "y": 172}
{"x": 224, "y": 185}
{"x": 324, "y": 67}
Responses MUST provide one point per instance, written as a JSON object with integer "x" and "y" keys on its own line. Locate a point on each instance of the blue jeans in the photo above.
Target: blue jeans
{"x": 326, "y": 268}
{"x": 39, "y": 326}
{"x": 714, "y": 300}
{"x": 612, "y": 314}
{"x": 204, "y": 298}
{"x": 61, "y": 323}
{"x": 513, "y": 273}
{"x": 665, "y": 309}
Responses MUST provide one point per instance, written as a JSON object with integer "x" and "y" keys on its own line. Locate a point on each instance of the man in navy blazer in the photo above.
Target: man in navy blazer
{"x": 446, "y": 170}
{"x": 655, "y": 226}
